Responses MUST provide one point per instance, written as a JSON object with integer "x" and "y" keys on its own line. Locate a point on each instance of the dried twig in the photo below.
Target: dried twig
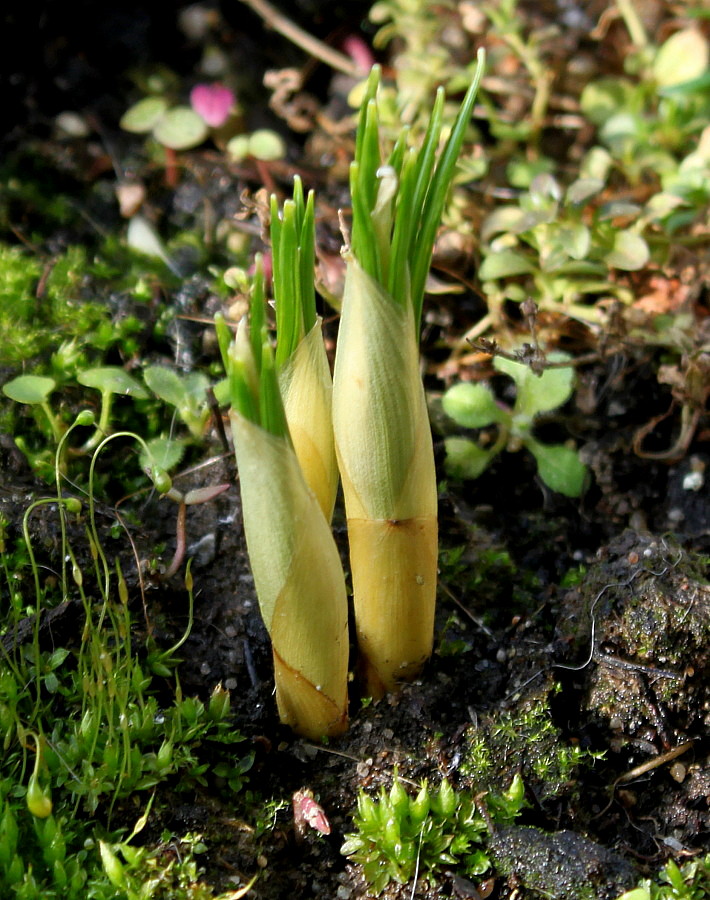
{"x": 294, "y": 33}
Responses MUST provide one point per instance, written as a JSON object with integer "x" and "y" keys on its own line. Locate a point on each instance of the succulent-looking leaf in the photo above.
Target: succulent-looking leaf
{"x": 144, "y": 115}
{"x": 267, "y": 145}
{"x": 464, "y": 458}
{"x": 507, "y": 219}
{"x": 630, "y": 251}
{"x": 583, "y": 189}
{"x": 683, "y": 57}
{"x": 504, "y": 264}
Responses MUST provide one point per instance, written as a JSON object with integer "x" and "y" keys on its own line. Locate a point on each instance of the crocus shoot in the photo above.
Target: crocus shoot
{"x": 295, "y": 563}
{"x": 382, "y": 434}
{"x": 302, "y": 365}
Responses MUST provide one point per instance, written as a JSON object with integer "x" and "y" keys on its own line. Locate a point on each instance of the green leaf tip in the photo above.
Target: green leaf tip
{"x": 398, "y": 202}
{"x": 250, "y": 366}
{"x": 293, "y": 254}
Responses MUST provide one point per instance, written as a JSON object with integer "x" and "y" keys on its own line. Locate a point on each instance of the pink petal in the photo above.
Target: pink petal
{"x": 359, "y": 53}
{"x": 213, "y": 102}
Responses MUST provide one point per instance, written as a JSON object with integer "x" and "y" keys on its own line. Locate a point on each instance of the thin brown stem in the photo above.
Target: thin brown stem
{"x": 281, "y": 23}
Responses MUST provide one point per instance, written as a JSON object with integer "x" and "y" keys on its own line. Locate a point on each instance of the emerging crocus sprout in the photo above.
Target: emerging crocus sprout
{"x": 295, "y": 563}
{"x": 382, "y": 434}
{"x": 302, "y": 364}
{"x": 287, "y": 439}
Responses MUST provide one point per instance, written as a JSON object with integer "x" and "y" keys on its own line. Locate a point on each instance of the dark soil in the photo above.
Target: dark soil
{"x": 617, "y": 659}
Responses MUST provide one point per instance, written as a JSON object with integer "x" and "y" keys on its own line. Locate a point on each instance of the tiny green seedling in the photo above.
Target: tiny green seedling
{"x": 564, "y": 242}
{"x": 398, "y": 837}
{"x": 35, "y": 390}
{"x": 110, "y": 381}
{"x": 475, "y": 406}
{"x": 187, "y": 393}
{"x": 263, "y": 144}
{"x": 181, "y": 127}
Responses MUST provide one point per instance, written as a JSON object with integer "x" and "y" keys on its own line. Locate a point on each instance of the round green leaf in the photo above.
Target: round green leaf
{"x": 464, "y": 458}
{"x": 506, "y": 219}
{"x": 575, "y": 239}
{"x": 583, "y": 189}
{"x": 683, "y": 57}
{"x": 112, "y": 380}
{"x": 595, "y": 165}
{"x": 559, "y": 467}
{"x": 238, "y": 147}
{"x": 630, "y": 251}
{"x": 471, "y": 405}
{"x": 180, "y": 128}
{"x": 267, "y": 145}
{"x": 143, "y": 116}
{"x": 29, "y": 389}
{"x": 504, "y": 264}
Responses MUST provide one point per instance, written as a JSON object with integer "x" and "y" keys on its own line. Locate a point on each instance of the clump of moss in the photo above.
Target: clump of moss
{"x": 528, "y": 742}
{"x": 36, "y": 321}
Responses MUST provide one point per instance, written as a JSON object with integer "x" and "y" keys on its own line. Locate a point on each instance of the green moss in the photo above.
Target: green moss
{"x": 36, "y": 319}
{"x": 527, "y": 742}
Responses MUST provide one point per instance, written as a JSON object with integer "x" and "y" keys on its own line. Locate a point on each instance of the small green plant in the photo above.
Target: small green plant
{"x": 180, "y": 127}
{"x": 690, "y": 881}
{"x": 85, "y": 720}
{"x": 475, "y": 406}
{"x": 263, "y": 144}
{"x": 187, "y": 393}
{"x": 529, "y": 742}
{"x": 399, "y": 837}
{"x": 647, "y": 119}
{"x": 560, "y": 246}
{"x": 380, "y": 421}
